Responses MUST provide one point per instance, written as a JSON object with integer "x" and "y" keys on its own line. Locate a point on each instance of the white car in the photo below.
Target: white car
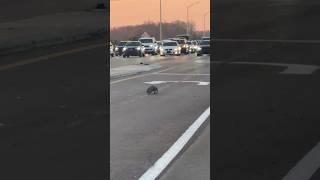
{"x": 149, "y": 44}
{"x": 170, "y": 47}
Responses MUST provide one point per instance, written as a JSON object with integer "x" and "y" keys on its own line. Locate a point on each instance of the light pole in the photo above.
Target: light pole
{"x": 160, "y": 36}
{"x": 189, "y": 6}
{"x": 204, "y": 23}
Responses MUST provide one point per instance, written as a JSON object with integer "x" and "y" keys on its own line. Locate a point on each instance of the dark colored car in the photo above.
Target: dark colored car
{"x": 183, "y": 44}
{"x": 119, "y": 48}
{"x": 133, "y": 48}
{"x": 203, "y": 48}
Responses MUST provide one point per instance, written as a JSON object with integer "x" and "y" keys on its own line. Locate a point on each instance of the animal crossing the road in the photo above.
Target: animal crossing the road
{"x": 144, "y": 127}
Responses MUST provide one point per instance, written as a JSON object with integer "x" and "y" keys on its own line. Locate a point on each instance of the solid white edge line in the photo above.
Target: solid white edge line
{"x": 306, "y": 167}
{"x": 156, "y": 169}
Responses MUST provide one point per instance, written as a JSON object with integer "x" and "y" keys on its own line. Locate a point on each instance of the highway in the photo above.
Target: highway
{"x": 143, "y": 127}
{"x": 266, "y": 90}
{"x": 53, "y": 120}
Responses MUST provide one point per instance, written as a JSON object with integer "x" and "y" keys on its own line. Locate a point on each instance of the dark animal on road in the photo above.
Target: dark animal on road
{"x": 153, "y": 89}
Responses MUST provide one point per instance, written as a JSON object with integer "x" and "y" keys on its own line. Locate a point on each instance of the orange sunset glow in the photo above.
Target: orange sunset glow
{"x": 131, "y": 12}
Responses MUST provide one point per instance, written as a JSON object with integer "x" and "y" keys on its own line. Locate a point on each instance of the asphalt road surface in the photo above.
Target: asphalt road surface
{"x": 16, "y": 10}
{"x": 194, "y": 163}
{"x": 143, "y": 127}
{"x": 266, "y": 110}
{"x": 53, "y": 119}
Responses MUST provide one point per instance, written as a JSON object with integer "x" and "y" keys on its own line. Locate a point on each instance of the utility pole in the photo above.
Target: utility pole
{"x": 204, "y": 23}
{"x": 160, "y": 36}
{"x": 189, "y": 6}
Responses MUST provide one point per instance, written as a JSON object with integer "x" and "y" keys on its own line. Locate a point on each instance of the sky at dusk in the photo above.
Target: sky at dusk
{"x": 130, "y": 12}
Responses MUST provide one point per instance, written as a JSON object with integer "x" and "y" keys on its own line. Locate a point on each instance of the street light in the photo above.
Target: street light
{"x": 160, "y": 36}
{"x": 189, "y": 6}
{"x": 204, "y": 23}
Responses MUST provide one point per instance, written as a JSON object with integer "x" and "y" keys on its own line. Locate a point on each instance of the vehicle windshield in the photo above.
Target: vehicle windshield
{"x": 205, "y": 43}
{"x": 146, "y": 40}
{"x": 122, "y": 43}
{"x": 170, "y": 44}
{"x": 134, "y": 43}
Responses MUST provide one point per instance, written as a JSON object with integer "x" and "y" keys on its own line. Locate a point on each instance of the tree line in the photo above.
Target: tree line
{"x": 169, "y": 30}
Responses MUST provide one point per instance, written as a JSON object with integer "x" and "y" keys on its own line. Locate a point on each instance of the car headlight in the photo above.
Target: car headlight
{"x": 117, "y": 49}
{"x": 199, "y": 48}
{"x": 124, "y": 49}
{"x": 138, "y": 48}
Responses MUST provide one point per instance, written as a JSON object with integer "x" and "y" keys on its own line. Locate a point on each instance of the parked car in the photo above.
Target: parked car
{"x": 111, "y": 50}
{"x": 204, "y": 48}
{"x": 170, "y": 47}
{"x": 133, "y": 48}
{"x": 149, "y": 44}
{"x": 183, "y": 44}
{"x": 119, "y": 48}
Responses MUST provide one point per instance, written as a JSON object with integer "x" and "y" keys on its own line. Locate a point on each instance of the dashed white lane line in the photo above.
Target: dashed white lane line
{"x": 200, "y": 83}
{"x": 270, "y": 40}
{"x": 47, "y": 57}
{"x": 306, "y": 167}
{"x": 156, "y": 169}
{"x": 138, "y": 76}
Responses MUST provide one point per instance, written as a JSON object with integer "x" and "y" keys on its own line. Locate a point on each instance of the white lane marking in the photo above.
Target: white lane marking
{"x": 47, "y": 57}
{"x": 269, "y": 40}
{"x": 182, "y": 74}
{"x": 200, "y": 83}
{"x": 291, "y": 68}
{"x": 300, "y": 69}
{"x": 155, "y": 170}
{"x": 306, "y": 167}
{"x": 138, "y": 76}
{"x": 202, "y": 61}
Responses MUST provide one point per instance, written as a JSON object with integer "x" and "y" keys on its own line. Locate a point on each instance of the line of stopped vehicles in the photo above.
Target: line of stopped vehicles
{"x": 173, "y": 46}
